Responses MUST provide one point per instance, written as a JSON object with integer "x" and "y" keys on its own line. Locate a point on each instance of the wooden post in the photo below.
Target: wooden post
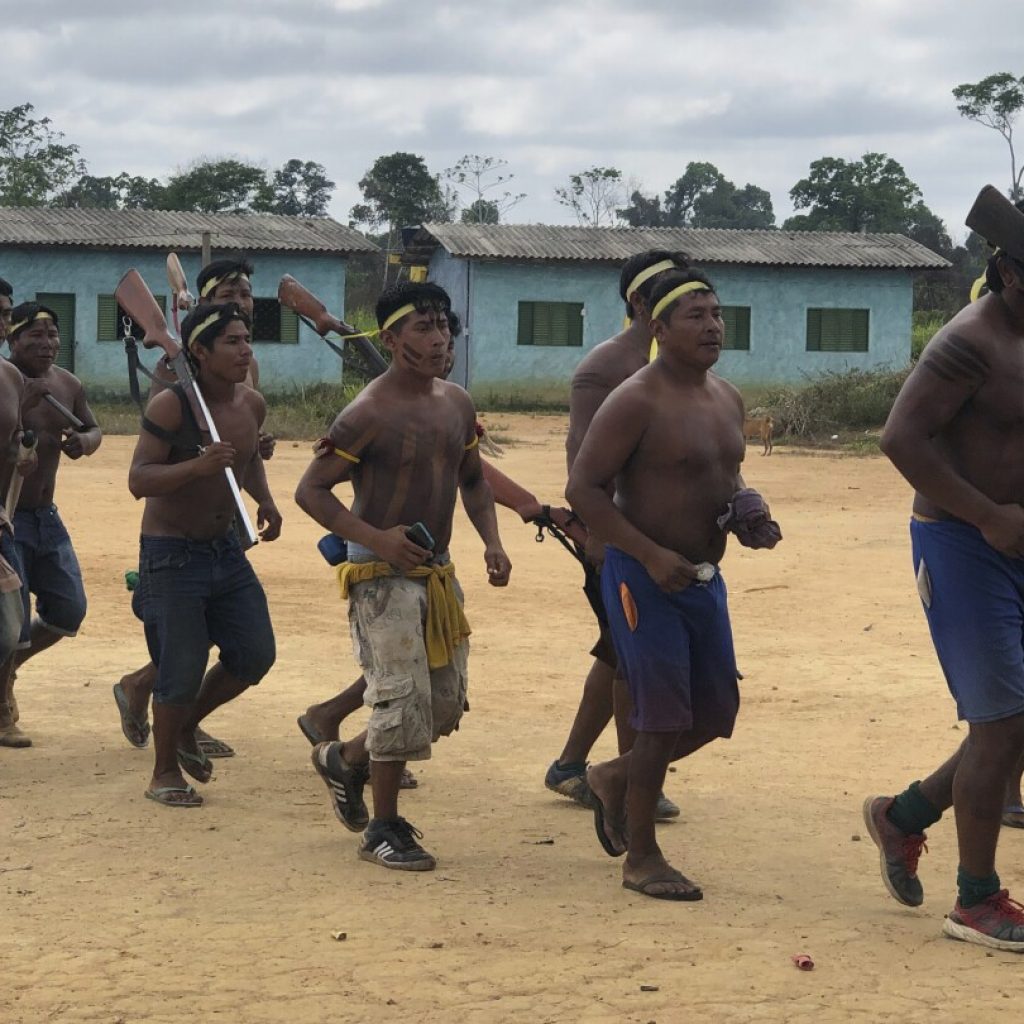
{"x": 206, "y": 248}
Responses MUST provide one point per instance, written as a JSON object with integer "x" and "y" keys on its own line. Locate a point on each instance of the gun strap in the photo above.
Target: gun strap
{"x": 135, "y": 366}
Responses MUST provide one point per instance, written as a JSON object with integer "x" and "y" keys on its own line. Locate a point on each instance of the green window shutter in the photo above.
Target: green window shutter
{"x": 108, "y": 323}
{"x": 551, "y": 324}
{"x": 737, "y": 327}
{"x": 289, "y": 326}
{"x": 838, "y": 330}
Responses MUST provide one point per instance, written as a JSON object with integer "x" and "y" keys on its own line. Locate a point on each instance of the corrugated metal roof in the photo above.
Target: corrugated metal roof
{"x": 703, "y": 245}
{"x": 171, "y": 229}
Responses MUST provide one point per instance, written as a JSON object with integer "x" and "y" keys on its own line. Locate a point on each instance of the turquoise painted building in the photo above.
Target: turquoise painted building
{"x": 72, "y": 260}
{"x": 535, "y": 298}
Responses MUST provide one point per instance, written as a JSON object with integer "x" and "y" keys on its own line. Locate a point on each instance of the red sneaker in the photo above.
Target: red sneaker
{"x": 998, "y": 923}
{"x": 898, "y": 853}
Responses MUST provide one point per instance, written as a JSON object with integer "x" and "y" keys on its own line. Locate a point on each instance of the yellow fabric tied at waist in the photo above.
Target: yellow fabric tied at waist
{"x": 446, "y": 622}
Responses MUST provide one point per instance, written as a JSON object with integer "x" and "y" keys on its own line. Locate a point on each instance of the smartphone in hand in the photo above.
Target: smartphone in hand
{"x": 420, "y": 535}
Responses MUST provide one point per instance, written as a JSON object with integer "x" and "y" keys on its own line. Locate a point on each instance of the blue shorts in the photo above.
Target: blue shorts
{"x": 196, "y": 593}
{"x": 12, "y": 615}
{"x": 49, "y": 569}
{"x": 675, "y": 649}
{"x": 973, "y": 598}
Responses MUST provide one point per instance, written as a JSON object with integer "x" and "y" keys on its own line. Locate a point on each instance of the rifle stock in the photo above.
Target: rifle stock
{"x": 135, "y": 298}
{"x": 25, "y": 449}
{"x": 183, "y": 298}
{"x": 302, "y": 301}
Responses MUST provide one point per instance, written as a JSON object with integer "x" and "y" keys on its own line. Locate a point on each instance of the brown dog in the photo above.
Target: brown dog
{"x": 760, "y": 428}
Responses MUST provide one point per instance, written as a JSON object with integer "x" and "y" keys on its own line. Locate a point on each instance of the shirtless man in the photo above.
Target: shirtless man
{"x": 599, "y": 373}
{"x": 670, "y": 443}
{"x": 408, "y": 443}
{"x": 197, "y": 586}
{"x": 47, "y": 559}
{"x": 956, "y": 434}
{"x": 12, "y": 613}
{"x": 221, "y": 281}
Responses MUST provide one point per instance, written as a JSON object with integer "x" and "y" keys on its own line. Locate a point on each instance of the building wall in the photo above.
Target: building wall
{"x": 778, "y": 296}
{"x": 454, "y": 277}
{"x": 89, "y": 274}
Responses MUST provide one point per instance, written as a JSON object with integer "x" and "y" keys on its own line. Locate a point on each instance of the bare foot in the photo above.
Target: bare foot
{"x": 653, "y": 876}
{"x": 609, "y": 787}
{"x": 192, "y": 759}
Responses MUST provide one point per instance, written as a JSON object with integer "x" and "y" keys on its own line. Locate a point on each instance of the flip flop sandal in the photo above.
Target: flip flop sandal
{"x": 135, "y": 729}
{"x": 309, "y": 730}
{"x": 1013, "y": 816}
{"x": 602, "y": 837}
{"x": 164, "y": 794}
{"x": 196, "y": 765}
{"x": 643, "y": 886}
{"x": 211, "y": 746}
{"x": 408, "y": 780}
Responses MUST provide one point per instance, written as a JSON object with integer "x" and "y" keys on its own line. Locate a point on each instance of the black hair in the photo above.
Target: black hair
{"x": 673, "y": 279}
{"x": 423, "y": 295}
{"x": 454, "y": 324}
{"x": 223, "y": 269}
{"x": 640, "y": 262}
{"x": 225, "y": 312}
{"x": 6, "y": 289}
{"x": 28, "y": 311}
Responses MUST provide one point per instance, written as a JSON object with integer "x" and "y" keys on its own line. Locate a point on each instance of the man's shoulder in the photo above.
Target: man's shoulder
{"x": 9, "y": 372}
{"x": 65, "y": 379}
{"x": 608, "y": 364}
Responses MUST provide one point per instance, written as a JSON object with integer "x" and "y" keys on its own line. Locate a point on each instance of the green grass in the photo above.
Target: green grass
{"x": 925, "y": 324}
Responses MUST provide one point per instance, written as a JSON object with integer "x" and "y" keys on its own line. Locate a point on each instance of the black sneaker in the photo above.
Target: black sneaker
{"x": 392, "y": 844}
{"x": 344, "y": 782}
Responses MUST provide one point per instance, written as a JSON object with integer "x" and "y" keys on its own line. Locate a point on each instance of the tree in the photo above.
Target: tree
{"x": 122, "y": 192}
{"x": 593, "y": 195}
{"x": 995, "y": 102}
{"x": 870, "y": 194}
{"x": 399, "y": 190}
{"x": 476, "y": 175}
{"x": 481, "y": 211}
{"x": 36, "y": 165}
{"x": 301, "y": 189}
{"x": 216, "y": 186}
{"x": 702, "y": 197}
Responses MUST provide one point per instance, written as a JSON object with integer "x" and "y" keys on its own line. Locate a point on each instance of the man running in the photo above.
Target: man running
{"x": 599, "y": 373}
{"x": 670, "y": 442}
{"x": 47, "y": 559}
{"x": 198, "y": 588}
{"x": 956, "y": 434}
{"x": 408, "y": 443}
{"x": 227, "y": 280}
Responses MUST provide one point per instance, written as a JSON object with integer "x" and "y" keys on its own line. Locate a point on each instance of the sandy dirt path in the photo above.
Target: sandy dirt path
{"x": 116, "y": 910}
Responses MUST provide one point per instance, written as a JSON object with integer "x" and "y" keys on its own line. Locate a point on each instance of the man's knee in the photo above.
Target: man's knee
{"x": 1001, "y": 741}
{"x": 251, "y": 663}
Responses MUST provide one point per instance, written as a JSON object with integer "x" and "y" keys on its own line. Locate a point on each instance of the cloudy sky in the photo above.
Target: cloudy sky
{"x": 758, "y": 87}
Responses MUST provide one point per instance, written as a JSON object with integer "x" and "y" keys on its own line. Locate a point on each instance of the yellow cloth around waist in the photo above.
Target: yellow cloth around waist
{"x": 446, "y": 622}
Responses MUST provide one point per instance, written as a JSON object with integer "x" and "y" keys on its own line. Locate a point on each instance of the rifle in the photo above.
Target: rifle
{"x": 137, "y": 300}
{"x": 561, "y": 523}
{"x": 25, "y": 449}
{"x": 314, "y": 314}
{"x": 181, "y": 297}
{"x": 65, "y": 412}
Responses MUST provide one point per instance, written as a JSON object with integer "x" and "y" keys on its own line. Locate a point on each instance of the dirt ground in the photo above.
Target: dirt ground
{"x": 117, "y": 910}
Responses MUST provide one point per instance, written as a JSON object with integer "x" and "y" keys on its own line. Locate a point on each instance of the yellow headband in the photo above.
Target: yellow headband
{"x": 683, "y": 289}
{"x": 646, "y": 275}
{"x": 397, "y": 315}
{"x": 200, "y": 327}
{"x": 211, "y": 285}
{"x": 40, "y": 315}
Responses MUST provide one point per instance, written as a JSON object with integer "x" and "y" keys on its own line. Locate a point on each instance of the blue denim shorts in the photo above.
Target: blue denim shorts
{"x": 973, "y": 598}
{"x": 675, "y": 649}
{"x": 49, "y": 569}
{"x": 196, "y": 593}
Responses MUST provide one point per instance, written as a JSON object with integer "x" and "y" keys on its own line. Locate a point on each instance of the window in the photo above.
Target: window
{"x": 63, "y": 304}
{"x": 550, "y": 323}
{"x": 109, "y": 318}
{"x": 837, "y": 330}
{"x": 737, "y": 327}
{"x": 272, "y": 322}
